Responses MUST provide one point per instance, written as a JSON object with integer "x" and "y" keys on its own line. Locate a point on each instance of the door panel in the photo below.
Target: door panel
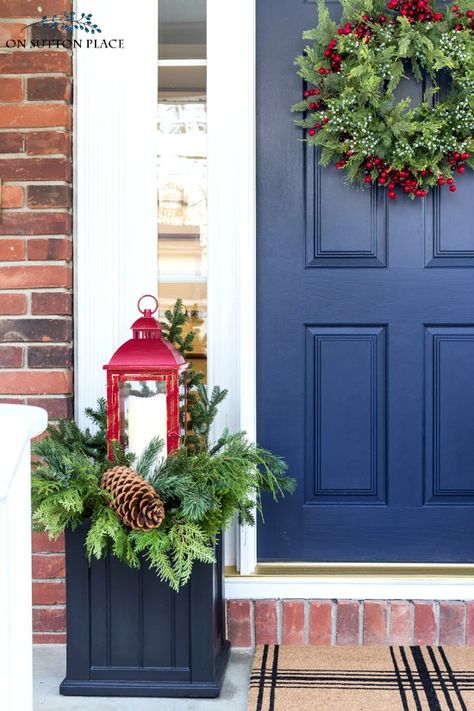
{"x": 365, "y": 342}
{"x": 332, "y": 236}
{"x": 346, "y": 399}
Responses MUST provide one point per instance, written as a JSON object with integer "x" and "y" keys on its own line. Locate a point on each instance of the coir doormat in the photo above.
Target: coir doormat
{"x": 362, "y": 679}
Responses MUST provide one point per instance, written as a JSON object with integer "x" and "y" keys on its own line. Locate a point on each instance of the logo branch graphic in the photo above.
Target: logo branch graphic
{"x": 71, "y": 21}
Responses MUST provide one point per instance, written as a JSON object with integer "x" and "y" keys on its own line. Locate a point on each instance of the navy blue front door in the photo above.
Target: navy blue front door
{"x": 365, "y": 343}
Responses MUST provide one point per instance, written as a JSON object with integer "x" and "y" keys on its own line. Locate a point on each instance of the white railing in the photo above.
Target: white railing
{"x": 18, "y": 424}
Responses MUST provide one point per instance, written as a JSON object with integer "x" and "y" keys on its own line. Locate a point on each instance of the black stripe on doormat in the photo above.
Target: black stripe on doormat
{"x": 261, "y": 686}
{"x": 452, "y": 678}
{"x": 442, "y": 682}
{"x": 401, "y": 690}
{"x": 428, "y": 688}
{"x": 276, "y": 650}
{"x": 409, "y": 674}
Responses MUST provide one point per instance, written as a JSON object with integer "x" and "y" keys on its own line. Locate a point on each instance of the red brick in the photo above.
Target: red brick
{"x": 452, "y": 621}
{"x": 12, "y": 304}
{"x": 47, "y": 566}
{"x": 49, "y": 357}
{"x": 35, "y": 169}
{"x": 49, "y": 619}
{"x": 35, "y": 277}
{"x": 37, "y": 32}
{"x": 49, "y": 249}
{"x": 49, "y": 593}
{"x": 12, "y": 250}
{"x": 52, "y": 638}
{"x": 347, "y": 622}
{"x": 45, "y": 196}
{"x": 400, "y": 623}
{"x": 266, "y": 630}
{"x": 41, "y": 330}
{"x": 375, "y": 623}
{"x": 293, "y": 622}
{"x": 34, "y": 62}
{"x": 48, "y": 89}
{"x": 48, "y": 142}
{"x": 320, "y": 622}
{"x": 238, "y": 623}
{"x": 12, "y": 400}
{"x": 470, "y": 624}
{"x": 424, "y": 624}
{"x": 12, "y": 142}
{"x": 12, "y": 196}
{"x": 13, "y": 382}
{"x": 57, "y": 408}
{"x": 30, "y": 8}
{"x": 10, "y": 31}
{"x": 34, "y": 115}
{"x": 40, "y": 543}
{"x": 11, "y": 357}
{"x": 11, "y": 88}
{"x": 51, "y": 303}
{"x": 33, "y": 223}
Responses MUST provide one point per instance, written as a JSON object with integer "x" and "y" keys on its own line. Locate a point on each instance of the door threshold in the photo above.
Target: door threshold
{"x": 398, "y": 571}
{"x": 356, "y": 581}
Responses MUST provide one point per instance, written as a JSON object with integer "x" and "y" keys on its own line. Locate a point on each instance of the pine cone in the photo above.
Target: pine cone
{"x": 135, "y": 500}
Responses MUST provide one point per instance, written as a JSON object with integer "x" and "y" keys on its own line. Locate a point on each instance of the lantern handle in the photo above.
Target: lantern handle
{"x": 147, "y": 312}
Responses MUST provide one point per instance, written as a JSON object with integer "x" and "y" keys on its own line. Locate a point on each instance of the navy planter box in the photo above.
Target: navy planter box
{"x": 128, "y": 634}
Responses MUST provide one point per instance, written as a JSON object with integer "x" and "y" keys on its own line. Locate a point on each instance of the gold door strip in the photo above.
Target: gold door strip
{"x": 398, "y": 571}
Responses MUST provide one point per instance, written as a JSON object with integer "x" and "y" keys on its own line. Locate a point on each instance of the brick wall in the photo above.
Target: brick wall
{"x": 350, "y": 622}
{"x": 36, "y": 252}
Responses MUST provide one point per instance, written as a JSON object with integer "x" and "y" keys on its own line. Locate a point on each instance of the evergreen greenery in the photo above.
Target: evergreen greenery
{"x": 202, "y": 486}
{"x": 352, "y": 113}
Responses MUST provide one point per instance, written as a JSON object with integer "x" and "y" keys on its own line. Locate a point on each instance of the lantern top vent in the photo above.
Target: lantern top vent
{"x": 147, "y": 349}
{"x": 146, "y": 326}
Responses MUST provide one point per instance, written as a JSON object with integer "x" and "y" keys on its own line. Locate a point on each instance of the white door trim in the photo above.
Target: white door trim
{"x": 231, "y": 230}
{"x": 258, "y": 588}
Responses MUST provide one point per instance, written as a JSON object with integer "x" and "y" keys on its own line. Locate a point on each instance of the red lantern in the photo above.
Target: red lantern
{"x": 143, "y": 387}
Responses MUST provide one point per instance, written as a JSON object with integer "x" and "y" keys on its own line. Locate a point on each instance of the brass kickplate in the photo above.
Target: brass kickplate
{"x": 359, "y": 570}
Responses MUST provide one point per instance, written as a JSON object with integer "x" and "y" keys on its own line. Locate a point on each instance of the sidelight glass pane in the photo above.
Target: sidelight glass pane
{"x": 182, "y": 29}
{"x": 182, "y": 162}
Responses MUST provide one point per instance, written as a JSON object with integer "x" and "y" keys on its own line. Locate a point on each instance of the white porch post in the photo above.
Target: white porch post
{"x": 231, "y": 230}
{"x": 18, "y": 424}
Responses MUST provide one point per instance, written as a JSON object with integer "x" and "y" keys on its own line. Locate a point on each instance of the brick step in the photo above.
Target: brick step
{"x": 350, "y": 622}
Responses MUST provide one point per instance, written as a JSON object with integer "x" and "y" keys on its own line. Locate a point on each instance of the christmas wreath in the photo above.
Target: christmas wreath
{"x": 351, "y": 112}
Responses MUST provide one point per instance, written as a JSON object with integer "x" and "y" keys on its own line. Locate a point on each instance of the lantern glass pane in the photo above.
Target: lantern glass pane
{"x": 182, "y": 164}
{"x": 145, "y": 414}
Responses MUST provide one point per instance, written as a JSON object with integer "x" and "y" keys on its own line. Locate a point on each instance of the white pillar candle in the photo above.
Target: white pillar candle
{"x": 146, "y": 420}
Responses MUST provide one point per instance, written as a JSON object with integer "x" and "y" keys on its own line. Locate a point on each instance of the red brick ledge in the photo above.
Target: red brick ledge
{"x": 350, "y": 622}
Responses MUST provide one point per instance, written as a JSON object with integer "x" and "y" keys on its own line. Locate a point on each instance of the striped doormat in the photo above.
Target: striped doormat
{"x": 362, "y": 679}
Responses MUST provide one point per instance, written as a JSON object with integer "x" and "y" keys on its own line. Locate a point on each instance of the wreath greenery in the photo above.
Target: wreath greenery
{"x": 202, "y": 485}
{"x": 351, "y": 111}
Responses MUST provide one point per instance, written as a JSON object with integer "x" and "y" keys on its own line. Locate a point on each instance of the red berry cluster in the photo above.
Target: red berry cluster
{"x": 459, "y": 16}
{"x": 335, "y": 59}
{"x": 456, "y": 161}
{"x": 448, "y": 181}
{"x": 391, "y": 178}
{"x": 360, "y": 30}
{"x": 346, "y": 29}
{"x": 415, "y": 10}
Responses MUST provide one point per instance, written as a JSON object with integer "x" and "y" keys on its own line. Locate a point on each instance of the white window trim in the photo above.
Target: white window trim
{"x": 115, "y": 257}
